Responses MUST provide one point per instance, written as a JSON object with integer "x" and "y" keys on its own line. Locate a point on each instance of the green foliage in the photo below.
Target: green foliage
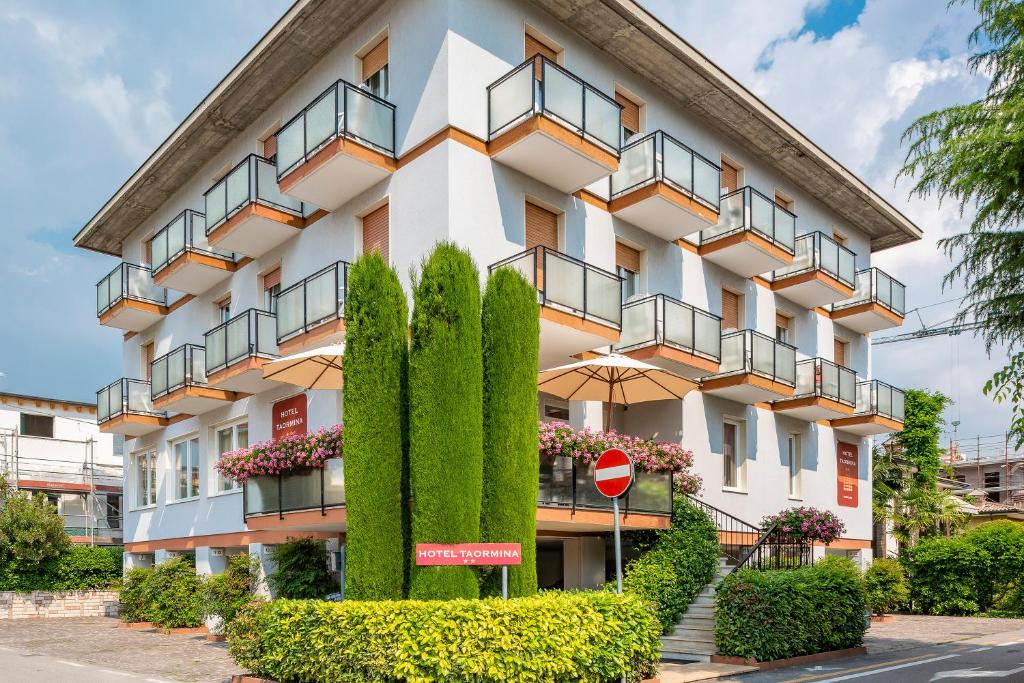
{"x": 226, "y": 593}
{"x": 886, "y": 584}
{"x": 511, "y": 342}
{"x": 787, "y": 613}
{"x": 682, "y": 561}
{"x": 445, "y": 417}
{"x": 301, "y": 571}
{"x": 947, "y": 576}
{"x": 1004, "y": 542}
{"x": 548, "y": 637}
{"x": 136, "y": 594}
{"x": 32, "y": 538}
{"x": 173, "y": 596}
{"x": 86, "y": 568}
{"x": 919, "y": 439}
{"x": 376, "y": 431}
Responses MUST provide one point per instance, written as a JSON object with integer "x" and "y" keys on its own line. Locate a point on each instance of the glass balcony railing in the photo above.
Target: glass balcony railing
{"x": 313, "y": 489}
{"x": 660, "y": 157}
{"x": 660, "y": 319}
{"x": 538, "y": 86}
{"x": 124, "y": 397}
{"x": 818, "y": 251}
{"x": 249, "y": 334}
{"x": 747, "y": 351}
{"x": 566, "y": 483}
{"x": 879, "y": 398}
{"x": 569, "y": 284}
{"x": 312, "y": 301}
{"x": 184, "y": 366}
{"x": 820, "y": 377}
{"x": 187, "y": 232}
{"x": 343, "y": 110}
{"x": 252, "y": 181}
{"x": 746, "y": 209}
{"x": 876, "y": 286}
{"x": 128, "y": 281}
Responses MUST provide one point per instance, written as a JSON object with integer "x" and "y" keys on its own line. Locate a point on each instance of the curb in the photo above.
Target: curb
{"x": 791, "y": 661}
{"x": 136, "y": 625}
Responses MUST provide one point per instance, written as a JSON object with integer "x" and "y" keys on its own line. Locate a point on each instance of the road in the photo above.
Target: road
{"x": 26, "y": 667}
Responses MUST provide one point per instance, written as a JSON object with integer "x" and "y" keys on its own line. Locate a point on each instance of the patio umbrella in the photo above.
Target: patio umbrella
{"x": 613, "y": 379}
{"x": 314, "y": 369}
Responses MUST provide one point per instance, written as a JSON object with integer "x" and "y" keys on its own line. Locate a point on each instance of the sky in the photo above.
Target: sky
{"x": 88, "y": 90}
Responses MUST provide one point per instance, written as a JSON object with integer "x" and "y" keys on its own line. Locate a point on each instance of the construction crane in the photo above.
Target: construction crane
{"x": 945, "y": 328}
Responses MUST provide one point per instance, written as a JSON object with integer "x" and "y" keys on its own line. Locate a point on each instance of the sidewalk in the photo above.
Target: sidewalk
{"x": 905, "y": 631}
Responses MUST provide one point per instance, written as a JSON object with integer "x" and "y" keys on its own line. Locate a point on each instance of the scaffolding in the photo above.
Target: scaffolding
{"x": 988, "y": 465}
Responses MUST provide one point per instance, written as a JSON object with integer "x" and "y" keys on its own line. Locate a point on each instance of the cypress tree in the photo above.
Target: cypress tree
{"x": 376, "y": 358}
{"x": 445, "y": 417}
{"x": 511, "y": 339}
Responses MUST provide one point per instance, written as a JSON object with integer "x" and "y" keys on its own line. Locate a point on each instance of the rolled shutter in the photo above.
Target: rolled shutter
{"x": 535, "y": 47}
{"x": 376, "y": 59}
{"x": 376, "y": 235}
{"x": 730, "y": 177}
{"x": 730, "y": 310}
{"x": 630, "y": 113}
{"x": 541, "y": 227}
{"x": 783, "y": 202}
{"x": 627, "y": 257}
{"x": 839, "y": 354}
{"x": 272, "y": 279}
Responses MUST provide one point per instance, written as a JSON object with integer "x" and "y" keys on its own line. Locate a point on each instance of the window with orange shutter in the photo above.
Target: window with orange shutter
{"x": 375, "y": 69}
{"x": 783, "y": 329}
{"x": 839, "y": 354}
{"x": 782, "y": 201}
{"x": 147, "y": 361}
{"x": 730, "y": 177}
{"x": 630, "y": 117}
{"x": 376, "y": 233}
{"x": 541, "y": 227}
{"x": 627, "y": 263}
{"x": 730, "y": 310}
{"x": 533, "y": 46}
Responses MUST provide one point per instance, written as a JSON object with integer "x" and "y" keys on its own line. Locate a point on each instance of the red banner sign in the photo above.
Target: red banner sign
{"x": 847, "y": 462}
{"x": 289, "y": 417}
{"x": 436, "y": 554}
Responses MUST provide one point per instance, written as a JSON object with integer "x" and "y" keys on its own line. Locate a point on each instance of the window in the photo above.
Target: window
{"x": 229, "y": 439}
{"x": 730, "y": 176}
{"x": 783, "y": 201}
{"x": 795, "y": 464}
{"x": 145, "y": 479}
{"x": 630, "y": 116}
{"x": 992, "y": 480}
{"x": 839, "y": 352}
{"x": 731, "y": 305}
{"x": 375, "y": 69}
{"x": 37, "y": 425}
{"x": 627, "y": 264}
{"x": 532, "y": 45}
{"x": 732, "y": 456}
{"x": 271, "y": 288}
{"x": 554, "y": 410}
{"x": 147, "y": 361}
{"x": 783, "y": 328}
{"x": 541, "y": 227}
{"x": 839, "y": 237}
{"x": 376, "y": 232}
{"x": 224, "y": 310}
{"x": 186, "y": 468}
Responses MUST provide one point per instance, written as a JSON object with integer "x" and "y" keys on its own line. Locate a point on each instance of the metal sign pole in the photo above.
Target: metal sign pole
{"x": 618, "y": 547}
{"x": 504, "y": 581}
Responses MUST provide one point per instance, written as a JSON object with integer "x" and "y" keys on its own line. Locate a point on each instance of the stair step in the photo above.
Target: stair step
{"x": 706, "y": 623}
{"x": 682, "y": 645}
{"x": 697, "y": 635}
{"x": 700, "y": 611}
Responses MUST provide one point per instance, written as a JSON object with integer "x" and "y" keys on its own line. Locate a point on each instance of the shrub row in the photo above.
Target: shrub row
{"x": 75, "y": 568}
{"x": 549, "y": 637}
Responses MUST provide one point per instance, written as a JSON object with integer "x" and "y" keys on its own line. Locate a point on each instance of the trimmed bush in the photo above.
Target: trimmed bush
{"x": 226, "y": 593}
{"x": 683, "y": 560}
{"x": 32, "y": 539}
{"x": 1003, "y": 540}
{"x": 788, "y": 613}
{"x": 173, "y": 595}
{"x": 511, "y": 343}
{"x": 446, "y": 417}
{"x": 86, "y": 568}
{"x": 136, "y": 594}
{"x": 301, "y": 571}
{"x": 547, "y": 637}
{"x": 948, "y": 576}
{"x": 376, "y": 437}
{"x": 886, "y": 584}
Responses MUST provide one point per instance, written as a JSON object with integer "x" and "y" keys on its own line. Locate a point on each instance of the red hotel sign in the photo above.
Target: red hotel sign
{"x": 289, "y": 417}
{"x": 847, "y": 472}
{"x": 436, "y": 554}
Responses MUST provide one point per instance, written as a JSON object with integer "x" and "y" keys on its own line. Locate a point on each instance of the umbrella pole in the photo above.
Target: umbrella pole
{"x": 608, "y": 408}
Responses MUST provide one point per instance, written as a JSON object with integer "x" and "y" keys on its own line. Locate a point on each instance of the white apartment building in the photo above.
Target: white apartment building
{"x": 661, "y": 209}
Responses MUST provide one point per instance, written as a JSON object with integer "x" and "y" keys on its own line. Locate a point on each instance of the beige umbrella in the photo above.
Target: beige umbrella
{"x": 613, "y": 379}
{"x": 314, "y": 369}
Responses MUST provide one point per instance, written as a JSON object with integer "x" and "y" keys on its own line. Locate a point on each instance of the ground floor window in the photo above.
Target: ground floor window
{"x": 732, "y": 454}
{"x": 145, "y": 479}
{"x": 186, "y": 468}
{"x": 795, "y": 464}
{"x": 228, "y": 439}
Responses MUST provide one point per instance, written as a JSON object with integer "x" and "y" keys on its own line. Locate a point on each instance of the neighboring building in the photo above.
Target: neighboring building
{"x": 992, "y": 480}
{"x": 54, "y": 447}
{"x": 652, "y": 199}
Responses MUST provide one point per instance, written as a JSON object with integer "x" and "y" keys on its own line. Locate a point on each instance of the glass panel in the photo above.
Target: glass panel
{"x": 198, "y": 369}
{"x": 708, "y": 335}
{"x": 215, "y": 348}
{"x": 830, "y": 380}
{"x": 602, "y": 120}
{"x": 322, "y": 297}
{"x": 300, "y": 490}
{"x": 785, "y": 363}
{"x": 369, "y": 119}
{"x": 525, "y": 263}
{"x": 289, "y": 311}
{"x": 139, "y": 398}
{"x": 637, "y": 323}
{"x": 289, "y": 145}
{"x": 563, "y": 281}
{"x": 847, "y": 266}
{"x": 238, "y": 338}
{"x": 176, "y": 237}
{"x": 176, "y": 368}
{"x": 261, "y": 495}
{"x": 707, "y": 181}
{"x": 829, "y": 256}
{"x": 863, "y": 404}
{"x": 216, "y": 204}
{"x": 268, "y": 190}
{"x": 785, "y": 227}
{"x": 511, "y": 99}
{"x": 159, "y": 375}
{"x": 334, "y": 482}
{"x": 651, "y": 492}
{"x": 563, "y": 96}
{"x": 140, "y": 285}
{"x": 677, "y": 164}
{"x": 730, "y": 218}
{"x": 321, "y": 121}
{"x": 158, "y": 249}
{"x": 761, "y": 213}
{"x": 555, "y": 481}
{"x": 266, "y": 334}
{"x": 604, "y": 296}
{"x": 238, "y": 193}
{"x": 678, "y": 324}
{"x": 805, "y": 378}
{"x": 587, "y": 494}
{"x": 763, "y": 355}
{"x": 897, "y": 404}
{"x": 883, "y": 395}
{"x": 636, "y": 166}
{"x": 732, "y": 353}
{"x": 847, "y": 384}
{"x": 102, "y": 404}
{"x": 803, "y": 258}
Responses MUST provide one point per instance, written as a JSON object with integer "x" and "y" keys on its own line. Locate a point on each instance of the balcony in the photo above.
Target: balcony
{"x": 552, "y": 126}
{"x": 822, "y": 272}
{"x": 312, "y": 311}
{"x": 671, "y": 334}
{"x": 878, "y": 410}
{"x": 184, "y": 261}
{"x": 665, "y": 187}
{"x": 754, "y": 235}
{"x": 314, "y": 499}
{"x": 246, "y": 212}
{"x": 824, "y": 391}
{"x": 580, "y": 304}
{"x": 128, "y": 300}
{"x": 754, "y": 368}
{"x": 337, "y": 147}
{"x": 237, "y": 349}
{"x": 877, "y": 304}
{"x": 179, "y": 383}
{"x": 125, "y": 407}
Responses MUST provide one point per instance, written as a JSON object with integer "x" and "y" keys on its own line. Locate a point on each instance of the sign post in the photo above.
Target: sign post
{"x": 472, "y": 554}
{"x": 613, "y": 475}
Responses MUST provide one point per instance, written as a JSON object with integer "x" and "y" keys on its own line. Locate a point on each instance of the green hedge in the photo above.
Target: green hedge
{"x": 376, "y": 436}
{"x": 175, "y": 595}
{"x": 1003, "y": 540}
{"x": 136, "y": 595}
{"x": 301, "y": 570}
{"x": 682, "y": 561}
{"x": 947, "y": 576}
{"x": 787, "y": 613}
{"x": 886, "y": 584}
{"x": 224, "y": 594}
{"x": 549, "y": 637}
{"x": 511, "y": 341}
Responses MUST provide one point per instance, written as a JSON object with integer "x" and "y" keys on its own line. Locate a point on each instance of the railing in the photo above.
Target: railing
{"x": 187, "y": 232}
{"x": 818, "y": 251}
{"x": 876, "y": 286}
{"x": 538, "y": 86}
{"x": 747, "y": 545}
{"x": 566, "y": 483}
{"x": 735, "y": 536}
{"x": 184, "y": 366}
{"x": 570, "y": 284}
{"x": 312, "y": 301}
{"x": 660, "y": 319}
{"x": 660, "y": 157}
{"x": 879, "y": 398}
{"x": 342, "y": 110}
{"x": 252, "y": 181}
{"x": 128, "y": 281}
{"x": 747, "y": 209}
{"x": 820, "y": 377}
{"x": 250, "y": 333}
{"x": 310, "y": 489}
{"x": 124, "y": 397}
{"x": 749, "y": 351}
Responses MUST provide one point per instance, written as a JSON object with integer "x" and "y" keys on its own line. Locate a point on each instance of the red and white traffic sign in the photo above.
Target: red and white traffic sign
{"x": 613, "y": 473}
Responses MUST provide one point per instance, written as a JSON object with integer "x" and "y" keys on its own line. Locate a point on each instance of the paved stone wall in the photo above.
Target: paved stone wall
{"x": 55, "y": 605}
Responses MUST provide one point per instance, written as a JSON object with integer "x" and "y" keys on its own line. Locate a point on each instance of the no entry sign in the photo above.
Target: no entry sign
{"x": 613, "y": 473}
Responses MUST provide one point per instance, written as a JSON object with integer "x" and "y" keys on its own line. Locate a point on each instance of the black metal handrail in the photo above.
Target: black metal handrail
{"x": 782, "y": 236}
{"x": 279, "y": 509}
{"x": 876, "y": 286}
{"x": 332, "y": 308}
{"x": 179, "y": 237}
{"x": 124, "y": 397}
{"x": 664, "y": 310}
{"x": 663, "y": 169}
{"x": 776, "y": 549}
{"x": 845, "y": 381}
{"x": 735, "y": 536}
{"x": 817, "y": 251}
{"x": 246, "y": 176}
{"x": 784, "y": 372}
{"x": 259, "y": 340}
{"x": 192, "y": 359}
{"x": 874, "y": 395}
{"x": 128, "y": 281}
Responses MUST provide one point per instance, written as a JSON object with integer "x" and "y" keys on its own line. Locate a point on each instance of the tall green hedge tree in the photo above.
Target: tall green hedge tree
{"x": 511, "y": 340}
{"x": 445, "y": 417}
{"x": 376, "y": 436}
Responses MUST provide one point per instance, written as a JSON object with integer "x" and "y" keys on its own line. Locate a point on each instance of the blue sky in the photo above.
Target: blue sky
{"x": 88, "y": 90}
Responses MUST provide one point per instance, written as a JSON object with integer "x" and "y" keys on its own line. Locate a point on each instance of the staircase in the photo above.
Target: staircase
{"x": 693, "y": 638}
